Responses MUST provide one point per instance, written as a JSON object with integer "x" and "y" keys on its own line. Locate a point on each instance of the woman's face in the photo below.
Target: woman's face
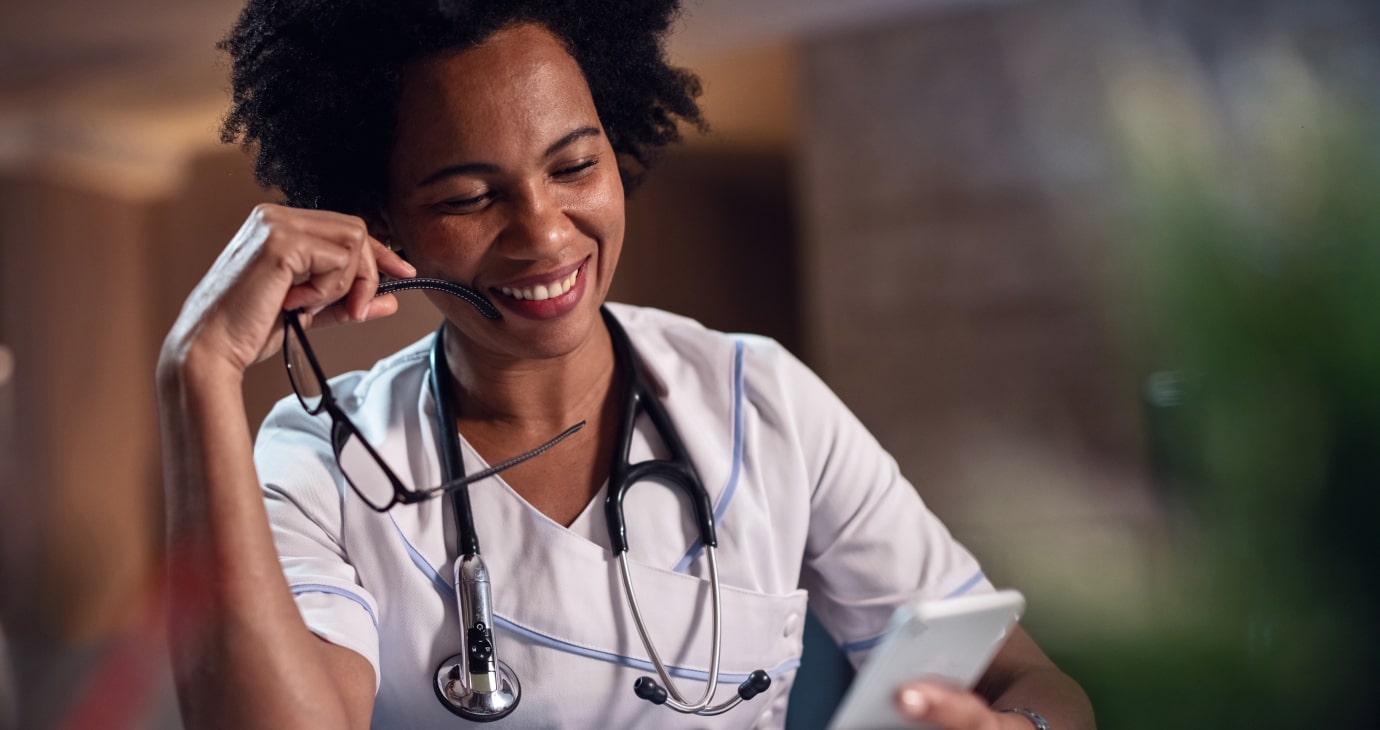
{"x": 502, "y": 179}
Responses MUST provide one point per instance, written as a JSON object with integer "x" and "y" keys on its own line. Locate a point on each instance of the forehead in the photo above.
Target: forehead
{"x": 519, "y": 88}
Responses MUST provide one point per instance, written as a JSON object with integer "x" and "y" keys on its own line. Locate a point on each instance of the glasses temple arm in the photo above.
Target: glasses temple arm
{"x": 505, "y": 465}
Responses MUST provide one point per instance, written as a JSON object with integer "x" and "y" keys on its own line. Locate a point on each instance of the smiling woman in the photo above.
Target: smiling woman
{"x": 502, "y": 178}
{"x": 490, "y": 145}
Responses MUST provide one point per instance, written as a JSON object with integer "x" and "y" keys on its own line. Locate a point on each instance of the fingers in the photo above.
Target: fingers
{"x": 329, "y": 257}
{"x": 944, "y": 707}
{"x": 365, "y": 283}
{"x": 378, "y": 308}
{"x": 283, "y": 258}
{"x": 374, "y": 257}
{"x": 392, "y": 264}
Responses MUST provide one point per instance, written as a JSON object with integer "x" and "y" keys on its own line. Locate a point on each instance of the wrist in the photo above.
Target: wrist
{"x": 1035, "y": 719}
{"x": 183, "y": 364}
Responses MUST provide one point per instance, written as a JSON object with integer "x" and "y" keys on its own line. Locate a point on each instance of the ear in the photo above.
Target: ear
{"x": 382, "y": 229}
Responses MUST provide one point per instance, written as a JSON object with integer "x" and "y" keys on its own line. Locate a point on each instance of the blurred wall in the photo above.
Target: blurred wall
{"x": 76, "y": 315}
{"x": 8, "y": 715}
{"x": 948, "y": 164}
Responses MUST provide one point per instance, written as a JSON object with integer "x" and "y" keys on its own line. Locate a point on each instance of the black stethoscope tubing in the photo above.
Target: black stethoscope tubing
{"x": 676, "y": 472}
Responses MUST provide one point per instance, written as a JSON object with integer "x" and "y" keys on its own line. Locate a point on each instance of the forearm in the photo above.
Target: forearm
{"x": 1021, "y": 675}
{"x": 1052, "y": 694}
{"x": 242, "y": 655}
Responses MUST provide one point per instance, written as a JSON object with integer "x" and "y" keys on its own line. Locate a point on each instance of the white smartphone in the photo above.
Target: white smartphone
{"x": 951, "y": 641}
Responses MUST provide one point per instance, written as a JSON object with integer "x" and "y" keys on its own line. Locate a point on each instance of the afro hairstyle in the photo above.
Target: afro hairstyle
{"x": 315, "y": 82}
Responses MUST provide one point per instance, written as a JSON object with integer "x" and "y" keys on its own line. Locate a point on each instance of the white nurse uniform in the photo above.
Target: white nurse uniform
{"x": 805, "y": 500}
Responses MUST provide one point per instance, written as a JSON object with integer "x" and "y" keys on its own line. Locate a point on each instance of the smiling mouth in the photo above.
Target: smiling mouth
{"x": 542, "y": 292}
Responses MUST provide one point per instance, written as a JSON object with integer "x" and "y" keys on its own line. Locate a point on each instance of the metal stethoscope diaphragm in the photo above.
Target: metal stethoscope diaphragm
{"x": 475, "y": 684}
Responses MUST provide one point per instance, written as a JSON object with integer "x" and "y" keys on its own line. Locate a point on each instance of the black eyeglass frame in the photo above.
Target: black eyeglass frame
{"x": 342, "y": 428}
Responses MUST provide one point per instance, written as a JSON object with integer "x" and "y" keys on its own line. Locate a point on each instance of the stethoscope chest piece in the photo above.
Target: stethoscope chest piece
{"x": 473, "y": 703}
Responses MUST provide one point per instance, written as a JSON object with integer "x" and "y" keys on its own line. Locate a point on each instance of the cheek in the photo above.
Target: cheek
{"x": 446, "y": 246}
{"x": 602, "y": 206}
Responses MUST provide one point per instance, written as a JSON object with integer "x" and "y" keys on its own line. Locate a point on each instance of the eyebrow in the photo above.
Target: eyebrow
{"x": 479, "y": 168}
{"x": 569, "y": 139}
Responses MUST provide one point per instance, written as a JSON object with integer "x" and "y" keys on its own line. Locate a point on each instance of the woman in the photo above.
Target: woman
{"x": 490, "y": 144}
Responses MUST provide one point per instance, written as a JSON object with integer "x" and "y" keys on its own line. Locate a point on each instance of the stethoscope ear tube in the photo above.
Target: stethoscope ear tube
{"x": 648, "y": 689}
{"x": 452, "y": 462}
{"x": 677, "y": 473}
{"x": 622, "y": 475}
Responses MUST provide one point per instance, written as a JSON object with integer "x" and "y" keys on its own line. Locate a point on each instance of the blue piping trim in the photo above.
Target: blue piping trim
{"x": 865, "y": 644}
{"x": 862, "y": 645}
{"x": 727, "y": 496}
{"x": 967, "y": 585}
{"x": 301, "y": 588}
{"x": 550, "y": 642}
{"x": 437, "y": 581}
{"x": 557, "y": 644}
{"x": 642, "y": 664}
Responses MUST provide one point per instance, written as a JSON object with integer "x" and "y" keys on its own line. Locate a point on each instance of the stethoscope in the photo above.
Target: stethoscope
{"x": 475, "y": 684}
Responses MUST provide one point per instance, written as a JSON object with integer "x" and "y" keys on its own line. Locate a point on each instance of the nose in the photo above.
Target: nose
{"x": 540, "y": 224}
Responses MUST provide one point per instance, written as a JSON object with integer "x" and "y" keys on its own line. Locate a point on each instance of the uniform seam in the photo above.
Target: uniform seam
{"x": 731, "y": 488}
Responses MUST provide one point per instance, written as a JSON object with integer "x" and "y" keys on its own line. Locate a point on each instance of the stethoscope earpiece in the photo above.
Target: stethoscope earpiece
{"x": 756, "y": 683}
{"x": 649, "y": 690}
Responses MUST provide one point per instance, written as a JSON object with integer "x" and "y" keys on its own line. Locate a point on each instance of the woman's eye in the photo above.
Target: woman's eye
{"x": 464, "y": 204}
{"x": 576, "y": 168}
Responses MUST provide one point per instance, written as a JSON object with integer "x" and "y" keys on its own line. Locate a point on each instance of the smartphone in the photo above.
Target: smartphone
{"x": 950, "y": 641}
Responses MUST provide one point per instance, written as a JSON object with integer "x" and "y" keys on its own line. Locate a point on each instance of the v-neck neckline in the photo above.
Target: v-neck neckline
{"x": 580, "y": 527}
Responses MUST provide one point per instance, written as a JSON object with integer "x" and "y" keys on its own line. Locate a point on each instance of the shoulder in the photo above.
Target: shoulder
{"x": 662, "y": 337}
{"x": 678, "y": 351}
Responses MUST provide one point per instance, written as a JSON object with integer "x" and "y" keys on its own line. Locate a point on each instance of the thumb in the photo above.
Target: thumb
{"x": 943, "y": 707}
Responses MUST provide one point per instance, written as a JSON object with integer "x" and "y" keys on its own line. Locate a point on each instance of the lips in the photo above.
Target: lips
{"x": 545, "y": 296}
{"x": 542, "y": 292}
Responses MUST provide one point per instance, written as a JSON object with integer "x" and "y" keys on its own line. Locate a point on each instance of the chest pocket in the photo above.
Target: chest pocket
{"x": 566, "y": 593}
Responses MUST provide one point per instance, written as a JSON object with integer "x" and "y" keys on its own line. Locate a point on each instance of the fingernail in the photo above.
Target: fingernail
{"x": 912, "y": 701}
{"x": 364, "y": 312}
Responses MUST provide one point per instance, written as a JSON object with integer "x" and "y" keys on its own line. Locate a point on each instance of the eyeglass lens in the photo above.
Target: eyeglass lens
{"x": 363, "y": 470}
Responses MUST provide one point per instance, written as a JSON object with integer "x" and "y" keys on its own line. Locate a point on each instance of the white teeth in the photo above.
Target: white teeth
{"x": 541, "y": 292}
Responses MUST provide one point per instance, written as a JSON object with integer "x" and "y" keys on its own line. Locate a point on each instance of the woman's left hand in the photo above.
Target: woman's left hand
{"x": 952, "y": 709}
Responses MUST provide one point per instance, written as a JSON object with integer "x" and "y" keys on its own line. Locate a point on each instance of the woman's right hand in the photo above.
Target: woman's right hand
{"x": 237, "y": 636}
{"x": 281, "y": 259}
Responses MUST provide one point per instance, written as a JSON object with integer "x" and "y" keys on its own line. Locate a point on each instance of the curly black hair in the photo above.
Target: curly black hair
{"x": 315, "y": 82}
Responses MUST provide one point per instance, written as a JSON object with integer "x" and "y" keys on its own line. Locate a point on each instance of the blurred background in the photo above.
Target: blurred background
{"x": 1104, "y": 276}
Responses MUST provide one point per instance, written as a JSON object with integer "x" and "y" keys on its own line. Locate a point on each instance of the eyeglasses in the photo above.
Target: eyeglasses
{"x": 367, "y": 473}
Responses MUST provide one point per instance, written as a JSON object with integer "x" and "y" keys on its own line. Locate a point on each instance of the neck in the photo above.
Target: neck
{"x": 544, "y": 395}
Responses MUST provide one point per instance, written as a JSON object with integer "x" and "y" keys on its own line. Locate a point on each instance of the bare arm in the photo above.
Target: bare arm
{"x": 1020, "y": 676}
{"x": 242, "y": 655}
